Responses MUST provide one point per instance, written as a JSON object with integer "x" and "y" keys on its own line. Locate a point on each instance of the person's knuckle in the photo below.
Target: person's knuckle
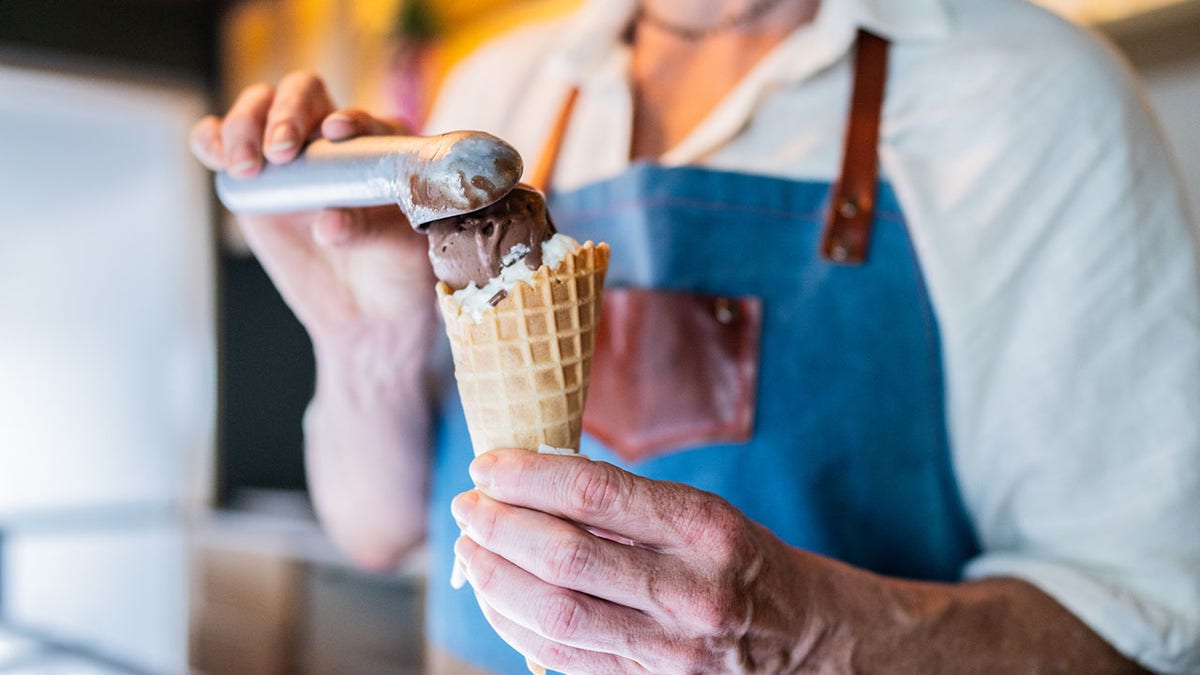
{"x": 316, "y": 84}
{"x": 717, "y": 609}
{"x": 296, "y": 78}
{"x": 258, "y": 91}
{"x": 203, "y": 134}
{"x": 712, "y": 525}
{"x": 305, "y": 86}
{"x": 695, "y": 656}
{"x": 483, "y": 521}
{"x": 520, "y": 475}
{"x": 485, "y": 573}
{"x": 354, "y": 221}
{"x": 561, "y": 617}
{"x": 366, "y": 123}
{"x": 240, "y": 128}
{"x": 666, "y": 589}
{"x": 728, "y": 537}
{"x": 283, "y": 111}
{"x": 571, "y": 560}
{"x": 397, "y": 126}
{"x": 676, "y": 655}
{"x": 204, "y": 127}
{"x": 598, "y": 490}
{"x": 552, "y": 655}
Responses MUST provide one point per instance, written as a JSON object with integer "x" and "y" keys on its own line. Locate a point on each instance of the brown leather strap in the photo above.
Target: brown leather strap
{"x": 543, "y": 173}
{"x": 847, "y": 232}
{"x": 852, "y": 202}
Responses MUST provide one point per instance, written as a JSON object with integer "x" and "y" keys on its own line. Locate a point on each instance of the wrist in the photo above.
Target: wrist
{"x": 852, "y": 620}
{"x": 818, "y": 613}
{"x": 802, "y": 619}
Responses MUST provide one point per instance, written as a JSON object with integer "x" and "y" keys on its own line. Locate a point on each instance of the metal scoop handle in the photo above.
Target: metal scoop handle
{"x": 429, "y": 177}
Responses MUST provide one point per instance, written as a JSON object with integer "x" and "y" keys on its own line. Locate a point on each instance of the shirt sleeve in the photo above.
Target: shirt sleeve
{"x": 1053, "y": 235}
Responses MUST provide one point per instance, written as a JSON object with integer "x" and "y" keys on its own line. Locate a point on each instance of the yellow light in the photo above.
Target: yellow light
{"x": 1102, "y": 11}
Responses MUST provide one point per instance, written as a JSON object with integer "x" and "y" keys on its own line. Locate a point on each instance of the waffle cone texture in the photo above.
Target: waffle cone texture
{"x": 523, "y": 370}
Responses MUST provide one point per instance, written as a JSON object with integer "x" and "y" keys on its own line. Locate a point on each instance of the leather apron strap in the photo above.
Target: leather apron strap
{"x": 543, "y": 173}
{"x": 847, "y": 231}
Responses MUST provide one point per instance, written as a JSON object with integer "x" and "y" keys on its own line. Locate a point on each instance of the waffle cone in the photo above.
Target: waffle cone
{"x": 523, "y": 370}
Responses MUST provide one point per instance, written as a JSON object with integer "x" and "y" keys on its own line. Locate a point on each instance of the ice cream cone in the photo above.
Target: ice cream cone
{"x": 523, "y": 370}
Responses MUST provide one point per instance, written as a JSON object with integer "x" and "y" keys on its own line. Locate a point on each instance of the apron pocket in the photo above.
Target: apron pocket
{"x": 673, "y": 370}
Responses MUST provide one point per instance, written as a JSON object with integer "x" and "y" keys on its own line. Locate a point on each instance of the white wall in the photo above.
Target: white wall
{"x": 107, "y": 366}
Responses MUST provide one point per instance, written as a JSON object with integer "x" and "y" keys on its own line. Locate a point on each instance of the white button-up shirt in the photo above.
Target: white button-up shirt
{"x": 1055, "y": 245}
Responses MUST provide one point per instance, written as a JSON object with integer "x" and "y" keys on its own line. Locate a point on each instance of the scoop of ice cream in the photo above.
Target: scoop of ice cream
{"x": 474, "y": 300}
{"x": 474, "y": 247}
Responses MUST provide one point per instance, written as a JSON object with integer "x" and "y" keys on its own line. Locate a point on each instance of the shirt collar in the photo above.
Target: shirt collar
{"x": 593, "y": 33}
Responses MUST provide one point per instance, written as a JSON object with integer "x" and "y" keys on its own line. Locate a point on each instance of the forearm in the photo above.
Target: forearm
{"x": 367, "y": 437}
{"x": 1005, "y": 625}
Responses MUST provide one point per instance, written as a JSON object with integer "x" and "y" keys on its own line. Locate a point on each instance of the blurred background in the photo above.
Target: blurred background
{"x": 153, "y": 509}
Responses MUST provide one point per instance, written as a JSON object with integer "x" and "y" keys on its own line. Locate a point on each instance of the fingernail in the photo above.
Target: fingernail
{"x": 481, "y": 470}
{"x": 463, "y": 505}
{"x": 282, "y": 138}
{"x": 458, "y": 575}
{"x": 244, "y": 159}
{"x": 340, "y": 118}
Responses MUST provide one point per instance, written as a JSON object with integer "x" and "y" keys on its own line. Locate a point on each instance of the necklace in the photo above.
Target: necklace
{"x": 696, "y": 33}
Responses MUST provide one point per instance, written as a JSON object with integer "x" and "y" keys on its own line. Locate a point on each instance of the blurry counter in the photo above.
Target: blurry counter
{"x": 271, "y": 594}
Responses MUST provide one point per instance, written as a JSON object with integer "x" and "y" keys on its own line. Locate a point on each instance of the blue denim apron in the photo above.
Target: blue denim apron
{"x": 849, "y": 455}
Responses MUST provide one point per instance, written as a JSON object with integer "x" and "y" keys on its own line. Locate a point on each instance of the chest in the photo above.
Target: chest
{"x": 676, "y": 87}
{"x": 790, "y": 131}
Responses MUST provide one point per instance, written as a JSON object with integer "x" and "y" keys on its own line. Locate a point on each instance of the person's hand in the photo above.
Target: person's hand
{"x": 342, "y": 271}
{"x": 361, "y": 283}
{"x": 585, "y": 568}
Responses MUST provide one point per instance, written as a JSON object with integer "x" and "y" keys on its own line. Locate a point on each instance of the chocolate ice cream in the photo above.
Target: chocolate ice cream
{"x": 474, "y": 247}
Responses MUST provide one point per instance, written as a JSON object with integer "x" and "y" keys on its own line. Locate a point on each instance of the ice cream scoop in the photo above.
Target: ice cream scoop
{"x": 428, "y": 177}
{"x": 476, "y": 246}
